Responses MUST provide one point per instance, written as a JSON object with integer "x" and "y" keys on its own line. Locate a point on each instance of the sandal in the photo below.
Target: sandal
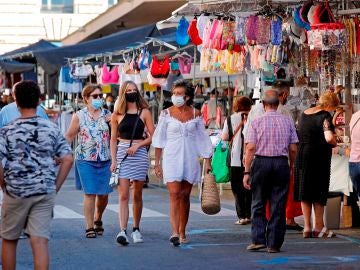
{"x": 183, "y": 240}
{"x": 174, "y": 239}
{"x": 307, "y": 234}
{"x": 90, "y": 233}
{"x": 99, "y": 227}
{"x": 324, "y": 233}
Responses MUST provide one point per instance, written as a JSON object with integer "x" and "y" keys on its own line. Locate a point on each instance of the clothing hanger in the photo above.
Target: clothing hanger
{"x": 186, "y": 54}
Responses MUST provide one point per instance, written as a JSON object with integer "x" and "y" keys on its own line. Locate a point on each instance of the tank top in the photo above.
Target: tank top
{"x": 126, "y": 126}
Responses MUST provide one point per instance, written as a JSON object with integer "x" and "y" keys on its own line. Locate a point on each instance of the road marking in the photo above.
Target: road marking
{"x": 196, "y": 207}
{"x": 64, "y": 212}
{"x": 145, "y": 212}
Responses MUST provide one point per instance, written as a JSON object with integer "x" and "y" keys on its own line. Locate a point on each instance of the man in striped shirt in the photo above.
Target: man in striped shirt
{"x": 270, "y": 140}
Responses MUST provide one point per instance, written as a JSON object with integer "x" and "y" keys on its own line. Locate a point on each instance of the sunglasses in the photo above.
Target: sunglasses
{"x": 96, "y": 96}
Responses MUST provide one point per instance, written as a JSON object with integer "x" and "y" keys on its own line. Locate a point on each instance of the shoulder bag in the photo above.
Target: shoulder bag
{"x": 114, "y": 179}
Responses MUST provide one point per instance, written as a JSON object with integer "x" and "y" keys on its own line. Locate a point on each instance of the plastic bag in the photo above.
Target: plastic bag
{"x": 218, "y": 164}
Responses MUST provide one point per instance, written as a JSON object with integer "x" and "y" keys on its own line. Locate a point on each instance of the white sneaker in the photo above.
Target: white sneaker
{"x": 122, "y": 239}
{"x": 137, "y": 237}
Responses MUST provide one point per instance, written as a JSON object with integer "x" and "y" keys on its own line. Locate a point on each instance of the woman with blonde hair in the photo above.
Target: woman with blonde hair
{"x": 312, "y": 166}
{"x": 92, "y": 157}
{"x": 129, "y": 156}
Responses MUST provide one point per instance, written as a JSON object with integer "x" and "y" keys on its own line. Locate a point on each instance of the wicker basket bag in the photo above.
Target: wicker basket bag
{"x": 210, "y": 199}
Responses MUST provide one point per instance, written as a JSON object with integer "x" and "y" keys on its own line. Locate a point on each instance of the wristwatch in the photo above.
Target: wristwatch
{"x": 246, "y": 173}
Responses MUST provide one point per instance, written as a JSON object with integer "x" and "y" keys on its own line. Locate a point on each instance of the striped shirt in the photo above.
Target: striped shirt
{"x": 272, "y": 134}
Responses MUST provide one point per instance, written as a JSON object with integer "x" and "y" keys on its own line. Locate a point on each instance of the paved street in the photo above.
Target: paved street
{"x": 216, "y": 243}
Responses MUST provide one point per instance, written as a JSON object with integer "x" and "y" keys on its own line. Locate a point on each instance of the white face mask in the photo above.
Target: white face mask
{"x": 178, "y": 101}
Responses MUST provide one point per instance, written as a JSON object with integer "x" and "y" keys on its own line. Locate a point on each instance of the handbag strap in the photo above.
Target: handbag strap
{"x": 236, "y": 131}
{"x": 132, "y": 137}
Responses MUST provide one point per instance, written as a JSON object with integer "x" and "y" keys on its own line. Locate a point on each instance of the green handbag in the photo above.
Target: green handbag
{"x": 218, "y": 164}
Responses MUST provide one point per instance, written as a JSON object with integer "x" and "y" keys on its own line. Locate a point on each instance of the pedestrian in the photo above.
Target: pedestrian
{"x": 232, "y": 132}
{"x": 293, "y": 208}
{"x": 92, "y": 157}
{"x": 271, "y": 139}
{"x": 11, "y": 112}
{"x": 109, "y": 103}
{"x": 354, "y": 161}
{"x": 312, "y": 170}
{"x": 29, "y": 177}
{"x": 212, "y": 111}
{"x": 181, "y": 136}
{"x": 129, "y": 154}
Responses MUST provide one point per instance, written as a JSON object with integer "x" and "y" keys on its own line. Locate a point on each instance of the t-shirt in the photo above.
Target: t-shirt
{"x": 10, "y": 112}
{"x": 28, "y": 146}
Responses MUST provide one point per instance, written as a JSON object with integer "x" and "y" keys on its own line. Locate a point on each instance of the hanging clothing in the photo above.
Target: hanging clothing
{"x": 66, "y": 83}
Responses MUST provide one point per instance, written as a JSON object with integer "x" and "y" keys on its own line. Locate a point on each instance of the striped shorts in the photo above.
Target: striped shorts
{"x": 134, "y": 167}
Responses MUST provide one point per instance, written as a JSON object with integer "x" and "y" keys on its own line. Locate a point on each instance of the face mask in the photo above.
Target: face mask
{"x": 97, "y": 103}
{"x": 178, "y": 101}
{"x": 132, "y": 97}
{"x": 109, "y": 104}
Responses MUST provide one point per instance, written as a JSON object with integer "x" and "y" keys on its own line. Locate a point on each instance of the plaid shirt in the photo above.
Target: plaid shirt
{"x": 272, "y": 134}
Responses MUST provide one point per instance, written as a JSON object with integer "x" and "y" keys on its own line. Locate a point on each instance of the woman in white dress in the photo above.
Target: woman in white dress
{"x": 181, "y": 136}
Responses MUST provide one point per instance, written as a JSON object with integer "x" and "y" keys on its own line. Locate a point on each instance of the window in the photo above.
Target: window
{"x": 57, "y": 6}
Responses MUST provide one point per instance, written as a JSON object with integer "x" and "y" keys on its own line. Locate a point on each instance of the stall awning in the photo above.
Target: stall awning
{"x": 29, "y": 50}
{"x": 51, "y": 60}
{"x": 15, "y": 67}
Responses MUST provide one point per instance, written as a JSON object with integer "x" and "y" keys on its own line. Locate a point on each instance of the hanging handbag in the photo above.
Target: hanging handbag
{"x": 114, "y": 178}
{"x": 209, "y": 197}
{"x": 218, "y": 164}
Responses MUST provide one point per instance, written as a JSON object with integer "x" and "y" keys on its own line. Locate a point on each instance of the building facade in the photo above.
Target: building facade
{"x": 23, "y": 22}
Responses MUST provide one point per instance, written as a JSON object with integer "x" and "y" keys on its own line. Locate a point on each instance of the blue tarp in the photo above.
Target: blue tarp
{"x": 51, "y": 60}
{"x": 38, "y": 46}
{"x": 15, "y": 67}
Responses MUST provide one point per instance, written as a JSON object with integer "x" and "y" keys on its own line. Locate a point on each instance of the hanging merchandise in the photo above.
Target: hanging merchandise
{"x": 194, "y": 33}
{"x": 80, "y": 70}
{"x": 160, "y": 69}
{"x": 216, "y": 34}
{"x": 299, "y": 21}
{"x": 240, "y": 30}
{"x": 109, "y": 77}
{"x": 144, "y": 59}
{"x": 185, "y": 62}
{"x": 66, "y": 83}
{"x": 264, "y": 31}
{"x": 251, "y": 29}
{"x": 228, "y": 36}
{"x": 182, "y": 37}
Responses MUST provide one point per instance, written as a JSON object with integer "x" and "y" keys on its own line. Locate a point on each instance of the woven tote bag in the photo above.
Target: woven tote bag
{"x": 210, "y": 199}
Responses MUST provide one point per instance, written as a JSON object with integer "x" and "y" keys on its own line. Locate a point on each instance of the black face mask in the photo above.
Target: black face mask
{"x": 132, "y": 97}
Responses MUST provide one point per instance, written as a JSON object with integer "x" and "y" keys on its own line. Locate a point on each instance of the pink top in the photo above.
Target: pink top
{"x": 355, "y": 137}
{"x": 110, "y": 76}
{"x": 185, "y": 64}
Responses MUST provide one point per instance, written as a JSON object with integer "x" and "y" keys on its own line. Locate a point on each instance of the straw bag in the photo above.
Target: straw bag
{"x": 210, "y": 199}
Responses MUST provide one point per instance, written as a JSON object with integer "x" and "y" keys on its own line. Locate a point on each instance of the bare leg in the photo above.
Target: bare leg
{"x": 89, "y": 209}
{"x": 40, "y": 251}
{"x": 137, "y": 202}
{"x": 174, "y": 192}
{"x": 123, "y": 190}
{"x": 184, "y": 207}
{"x": 319, "y": 217}
{"x": 306, "y": 209}
{"x": 101, "y": 203}
{"x": 8, "y": 254}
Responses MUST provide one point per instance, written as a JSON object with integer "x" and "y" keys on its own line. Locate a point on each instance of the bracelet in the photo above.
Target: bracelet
{"x": 246, "y": 173}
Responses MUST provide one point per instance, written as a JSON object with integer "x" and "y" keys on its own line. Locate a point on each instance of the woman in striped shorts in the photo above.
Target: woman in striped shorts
{"x": 129, "y": 155}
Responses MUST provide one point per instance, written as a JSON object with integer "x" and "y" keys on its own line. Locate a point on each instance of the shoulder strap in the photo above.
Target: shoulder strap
{"x": 237, "y": 129}
{"x": 132, "y": 136}
{"x": 230, "y": 130}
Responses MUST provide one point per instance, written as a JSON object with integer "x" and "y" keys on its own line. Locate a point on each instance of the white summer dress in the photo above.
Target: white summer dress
{"x": 182, "y": 143}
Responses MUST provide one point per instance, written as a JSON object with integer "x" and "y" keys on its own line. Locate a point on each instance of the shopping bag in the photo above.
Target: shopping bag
{"x": 218, "y": 164}
{"x": 210, "y": 199}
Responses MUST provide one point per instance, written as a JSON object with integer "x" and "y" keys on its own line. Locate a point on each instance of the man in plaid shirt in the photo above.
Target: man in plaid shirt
{"x": 270, "y": 140}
